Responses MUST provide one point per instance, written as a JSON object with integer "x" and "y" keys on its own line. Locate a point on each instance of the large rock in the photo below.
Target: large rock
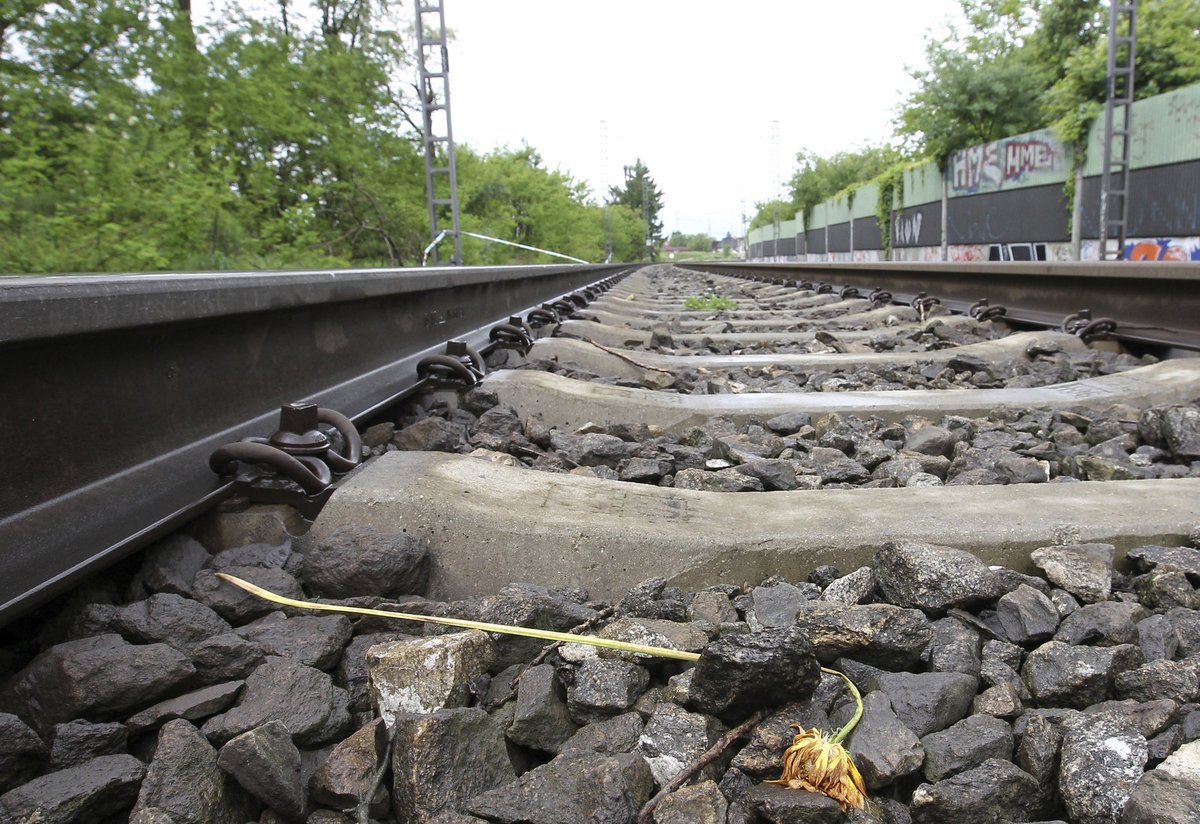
{"x": 928, "y": 701}
{"x": 933, "y": 578}
{"x": 1146, "y": 558}
{"x": 442, "y": 759}
{"x": 620, "y": 733}
{"x": 23, "y": 754}
{"x": 92, "y": 791}
{"x": 738, "y": 674}
{"x": 1176, "y": 680}
{"x": 700, "y": 803}
{"x": 235, "y": 604}
{"x": 881, "y": 635}
{"x": 541, "y": 719}
{"x": 1102, "y": 758}
{"x": 781, "y": 805}
{"x": 1062, "y": 675}
{"x": 991, "y": 793}
{"x": 77, "y": 742}
{"x": 1105, "y": 624}
{"x": 348, "y": 772}
{"x": 195, "y": 706}
{"x": 170, "y": 564}
{"x": 603, "y": 688}
{"x": 315, "y": 640}
{"x": 571, "y": 789}
{"x": 966, "y": 745}
{"x": 673, "y": 737}
{"x": 99, "y": 677}
{"x": 426, "y": 674}
{"x": 1084, "y": 570}
{"x": 954, "y": 647}
{"x": 185, "y": 784}
{"x": 653, "y": 632}
{"x": 774, "y": 606}
{"x": 882, "y": 747}
{"x": 227, "y": 657}
{"x": 530, "y": 605}
{"x": 266, "y": 764}
{"x": 353, "y": 560}
{"x": 432, "y": 434}
{"x": 1027, "y": 615}
{"x": 1169, "y": 793}
{"x": 304, "y": 699}
{"x": 171, "y": 619}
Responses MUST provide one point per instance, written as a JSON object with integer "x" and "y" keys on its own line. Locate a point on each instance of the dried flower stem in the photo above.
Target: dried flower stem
{"x": 462, "y": 623}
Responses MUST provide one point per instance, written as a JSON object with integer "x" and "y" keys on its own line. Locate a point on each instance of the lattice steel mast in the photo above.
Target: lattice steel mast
{"x": 1118, "y": 123}
{"x": 433, "y": 64}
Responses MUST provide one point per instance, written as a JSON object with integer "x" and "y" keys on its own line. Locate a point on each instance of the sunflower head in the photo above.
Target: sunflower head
{"x": 816, "y": 763}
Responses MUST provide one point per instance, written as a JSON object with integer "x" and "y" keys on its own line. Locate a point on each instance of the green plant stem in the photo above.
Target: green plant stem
{"x": 858, "y": 710}
{"x": 544, "y": 634}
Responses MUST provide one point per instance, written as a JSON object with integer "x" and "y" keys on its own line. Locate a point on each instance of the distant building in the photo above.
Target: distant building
{"x": 735, "y": 246}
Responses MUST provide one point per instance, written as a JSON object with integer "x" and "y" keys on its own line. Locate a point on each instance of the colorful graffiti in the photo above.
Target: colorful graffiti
{"x": 1030, "y": 159}
{"x": 1163, "y": 248}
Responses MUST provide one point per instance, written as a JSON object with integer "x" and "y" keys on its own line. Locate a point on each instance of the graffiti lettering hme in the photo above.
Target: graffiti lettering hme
{"x": 990, "y": 167}
{"x": 907, "y": 229}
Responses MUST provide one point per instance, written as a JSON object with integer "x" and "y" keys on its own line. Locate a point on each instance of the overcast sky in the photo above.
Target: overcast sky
{"x": 695, "y": 88}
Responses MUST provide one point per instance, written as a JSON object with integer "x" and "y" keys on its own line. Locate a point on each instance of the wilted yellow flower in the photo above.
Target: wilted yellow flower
{"x": 815, "y": 762}
{"x": 819, "y": 763}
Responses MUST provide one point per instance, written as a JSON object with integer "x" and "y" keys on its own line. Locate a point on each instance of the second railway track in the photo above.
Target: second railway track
{"x": 929, "y": 496}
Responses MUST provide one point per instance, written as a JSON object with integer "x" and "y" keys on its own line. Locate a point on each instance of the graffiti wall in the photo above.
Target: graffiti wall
{"x": 1007, "y": 200}
{"x": 1163, "y": 248}
{"x": 1033, "y": 159}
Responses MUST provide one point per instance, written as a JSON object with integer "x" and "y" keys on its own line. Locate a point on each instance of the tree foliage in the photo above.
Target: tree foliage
{"x": 641, "y": 194}
{"x": 817, "y": 179}
{"x": 1021, "y": 66}
{"x": 131, "y": 139}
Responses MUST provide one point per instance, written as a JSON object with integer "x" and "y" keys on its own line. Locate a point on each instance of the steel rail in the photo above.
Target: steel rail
{"x": 1153, "y": 303}
{"x": 116, "y": 389}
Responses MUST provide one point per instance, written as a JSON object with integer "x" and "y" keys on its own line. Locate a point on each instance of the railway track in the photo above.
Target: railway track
{"x": 991, "y": 527}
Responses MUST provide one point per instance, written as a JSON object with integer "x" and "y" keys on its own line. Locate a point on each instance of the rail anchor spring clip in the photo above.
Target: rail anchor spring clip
{"x": 297, "y": 464}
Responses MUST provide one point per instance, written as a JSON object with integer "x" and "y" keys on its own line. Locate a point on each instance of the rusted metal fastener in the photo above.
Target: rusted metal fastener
{"x": 848, "y": 292}
{"x": 981, "y": 310}
{"x": 546, "y": 315}
{"x": 879, "y": 295}
{"x": 923, "y": 303}
{"x": 824, "y": 288}
{"x": 461, "y": 365}
{"x": 564, "y": 307}
{"x": 515, "y": 334}
{"x": 1085, "y": 327}
{"x": 297, "y": 463}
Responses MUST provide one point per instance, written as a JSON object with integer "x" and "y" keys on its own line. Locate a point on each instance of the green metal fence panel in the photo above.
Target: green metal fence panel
{"x": 1166, "y": 129}
{"x": 922, "y": 184}
{"x": 866, "y": 198}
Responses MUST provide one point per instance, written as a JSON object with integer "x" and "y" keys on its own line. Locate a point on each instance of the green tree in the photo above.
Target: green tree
{"x": 1168, "y": 57}
{"x": 641, "y": 194}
